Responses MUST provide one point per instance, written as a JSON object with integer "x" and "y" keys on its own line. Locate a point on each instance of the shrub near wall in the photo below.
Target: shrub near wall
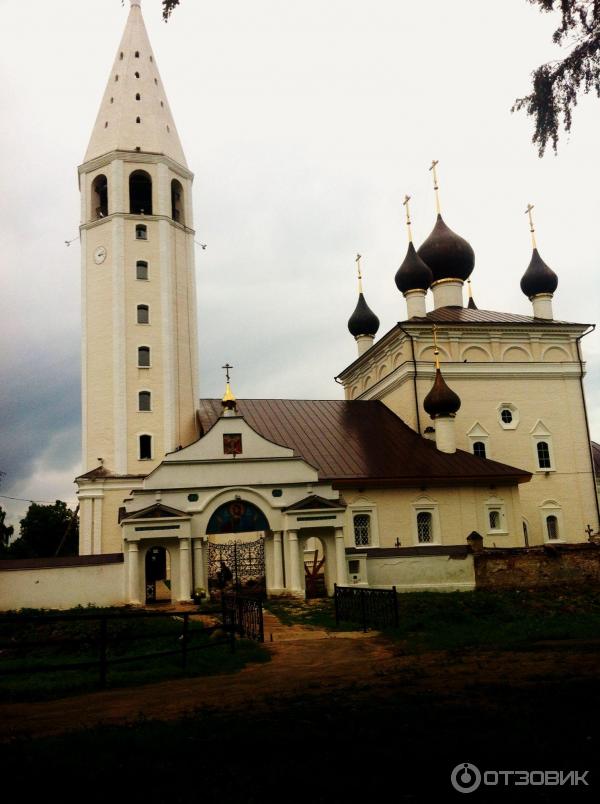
{"x": 547, "y": 565}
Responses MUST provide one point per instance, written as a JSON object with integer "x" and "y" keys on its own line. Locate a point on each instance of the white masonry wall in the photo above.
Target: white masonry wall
{"x": 62, "y": 587}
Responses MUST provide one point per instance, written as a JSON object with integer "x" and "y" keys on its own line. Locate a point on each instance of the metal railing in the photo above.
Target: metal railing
{"x": 102, "y": 640}
{"x": 371, "y": 608}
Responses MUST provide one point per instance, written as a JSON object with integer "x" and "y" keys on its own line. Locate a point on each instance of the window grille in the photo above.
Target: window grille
{"x": 362, "y": 529}
{"x": 424, "y": 527}
{"x": 552, "y": 527}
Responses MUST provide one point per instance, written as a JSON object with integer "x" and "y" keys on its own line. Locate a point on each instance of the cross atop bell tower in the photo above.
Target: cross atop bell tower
{"x": 139, "y": 355}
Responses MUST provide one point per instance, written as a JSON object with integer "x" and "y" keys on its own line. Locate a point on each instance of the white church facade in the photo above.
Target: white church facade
{"x": 457, "y": 421}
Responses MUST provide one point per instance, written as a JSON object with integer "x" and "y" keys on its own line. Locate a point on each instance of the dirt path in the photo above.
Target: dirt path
{"x": 304, "y": 661}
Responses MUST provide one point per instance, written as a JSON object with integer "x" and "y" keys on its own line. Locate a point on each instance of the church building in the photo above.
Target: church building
{"x": 456, "y": 421}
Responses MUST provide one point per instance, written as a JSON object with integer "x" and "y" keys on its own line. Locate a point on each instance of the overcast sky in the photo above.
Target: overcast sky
{"x": 305, "y": 123}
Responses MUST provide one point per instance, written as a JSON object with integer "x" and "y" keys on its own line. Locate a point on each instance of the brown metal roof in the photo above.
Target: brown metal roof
{"x": 361, "y": 442}
{"x": 468, "y": 315}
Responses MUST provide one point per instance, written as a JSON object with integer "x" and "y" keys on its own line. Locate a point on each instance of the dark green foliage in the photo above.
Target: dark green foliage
{"x": 46, "y": 531}
{"x": 27, "y": 645}
{"x": 168, "y": 7}
{"x": 556, "y": 85}
{"x": 6, "y": 531}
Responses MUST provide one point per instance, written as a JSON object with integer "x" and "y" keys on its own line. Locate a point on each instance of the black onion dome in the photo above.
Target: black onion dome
{"x": 441, "y": 400}
{"x": 413, "y": 274}
{"x": 539, "y": 277}
{"x": 363, "y": 320}
{"x": 447, "y": 254}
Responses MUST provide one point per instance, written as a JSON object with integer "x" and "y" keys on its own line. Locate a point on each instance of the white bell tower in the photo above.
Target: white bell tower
{"x": 139, "y": 330}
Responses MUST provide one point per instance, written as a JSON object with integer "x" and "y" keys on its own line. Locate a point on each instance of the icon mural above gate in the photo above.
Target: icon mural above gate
{"x": 237, "y": 516}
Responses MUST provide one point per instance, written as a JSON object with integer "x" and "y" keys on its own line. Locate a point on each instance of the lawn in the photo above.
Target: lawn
{"x": 26, "y": 646}
{"x": 459, "y": 620}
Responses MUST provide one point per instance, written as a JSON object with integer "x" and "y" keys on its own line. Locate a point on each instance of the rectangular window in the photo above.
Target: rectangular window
{"x": 143, "y": 314}
{"x": 424, "y": 527}
{"x": 362, "y": 530}
{"x": 543, "y": 453}
{"x": 145, "y": 447}
{"x": 141, "y": 270}
{"x": 144, "y": 357}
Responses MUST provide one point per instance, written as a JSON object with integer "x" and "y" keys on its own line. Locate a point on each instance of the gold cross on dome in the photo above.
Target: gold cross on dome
{"x": 436, "y": 186}
{"x": 227, "y": 368}
{"x": 357, "y": 261}
{"x": 436, "y": 350}
{"x": 531, "y": 226}
{"x": 408, "y": 222}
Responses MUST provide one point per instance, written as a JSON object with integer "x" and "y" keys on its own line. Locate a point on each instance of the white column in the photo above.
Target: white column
{"x": 199, "y": 581}
{"x": 294, "y": 569}
{"x": 363, "y": 343}
{"x": 445, "y": 434}
{"x": 185, "y": 574}
{"x": 340, "y": 558}
{"x": 415, "y": 303}
{"x": 542, "y": 306}
{"x": 97, "y": 526}
{"x": 277, "y": 561}
{"x": 85, "y": 526}
{"x": 133, "y": 559}
{"x": 447, "y": 293}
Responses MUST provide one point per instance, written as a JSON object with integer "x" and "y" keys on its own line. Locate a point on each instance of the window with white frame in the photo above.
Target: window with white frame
{"x": 479, "y": 449}
{"x": 479, "y": 438}
{"x": 542, "y": 444}
{"x": 552, "y": 521}
{"x": 362, "y": 530}
{"x": 424, "y": 527}
{"x": 552, "y": 528}
{"x": 508, "y": 416}
{"x": 362, "y": 523}
{"x": 426, "y": 522}
{"x": 495, "y": 516}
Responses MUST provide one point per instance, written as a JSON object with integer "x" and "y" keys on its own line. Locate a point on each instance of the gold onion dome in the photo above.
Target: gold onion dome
{"x": 441, "y": 400}
{"x": 229, "y": 401}
{"x": 447, "y": 254}
{"x": 539, "y": 277}
{"x": 363, "y": 320}
{"x": 413, "y": 274}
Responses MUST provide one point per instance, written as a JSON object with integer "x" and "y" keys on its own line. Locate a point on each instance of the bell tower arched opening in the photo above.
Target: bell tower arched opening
{"x": 177, "y": 202}
{"x": 99, "y": 204}
{"x": 140, "y": 193}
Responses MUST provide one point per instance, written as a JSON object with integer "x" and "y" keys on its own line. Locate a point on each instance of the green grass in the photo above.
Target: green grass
{"x": 317, "y": 613}
{"x": 459, "y": 620}
{"x": 151, "y": 635}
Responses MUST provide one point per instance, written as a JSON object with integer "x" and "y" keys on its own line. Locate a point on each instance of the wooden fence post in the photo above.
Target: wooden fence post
{"x": 336, "y": 604}
{"x": 396, "y": 619}
{"x": 363, "y": 606}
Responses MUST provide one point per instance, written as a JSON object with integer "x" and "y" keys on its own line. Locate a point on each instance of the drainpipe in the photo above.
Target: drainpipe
{"x": 414, "y": 362}
{"x": 585, "y": 413}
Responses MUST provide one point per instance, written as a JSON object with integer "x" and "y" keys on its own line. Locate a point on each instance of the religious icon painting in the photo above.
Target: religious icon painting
{"x": 232, "y": 443}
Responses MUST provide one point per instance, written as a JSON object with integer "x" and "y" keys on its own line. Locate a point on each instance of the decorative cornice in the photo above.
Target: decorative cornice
{"x": 140, "y": 218}
{"x": 136, "y": 157}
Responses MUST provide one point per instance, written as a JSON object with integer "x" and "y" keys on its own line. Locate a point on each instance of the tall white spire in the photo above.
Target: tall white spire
{"x": 135, "y": 93}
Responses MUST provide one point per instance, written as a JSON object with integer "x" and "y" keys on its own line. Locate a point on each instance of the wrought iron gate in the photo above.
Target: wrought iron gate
{"x": 237, "y": 566}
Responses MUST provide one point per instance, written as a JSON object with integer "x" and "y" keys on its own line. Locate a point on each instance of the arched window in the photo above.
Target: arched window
{"x": 424, "y": 527}
{"x": 144, "y": 400}
{"x": 138, "y": 119}
{"x": 543, "y": 453}
{"x": 99, "y": 197}
{"x": 137, "y": 54}
{"x": 141, "y": 232}
{"x": 141, "y": 269}
{"x": 145, "y": 447}
{"x": 140, "y": 193}
{"x": 177, "y": 201}
{"x": 494, "y": 517}
{"x": 552, "y": 527}
{"x": 479, "y": 449}
{"x": 143, "y": 356}
{"x": 138, "y": 96}
{"x": 143, "y": 314}
{"x": 362, "y": 530}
